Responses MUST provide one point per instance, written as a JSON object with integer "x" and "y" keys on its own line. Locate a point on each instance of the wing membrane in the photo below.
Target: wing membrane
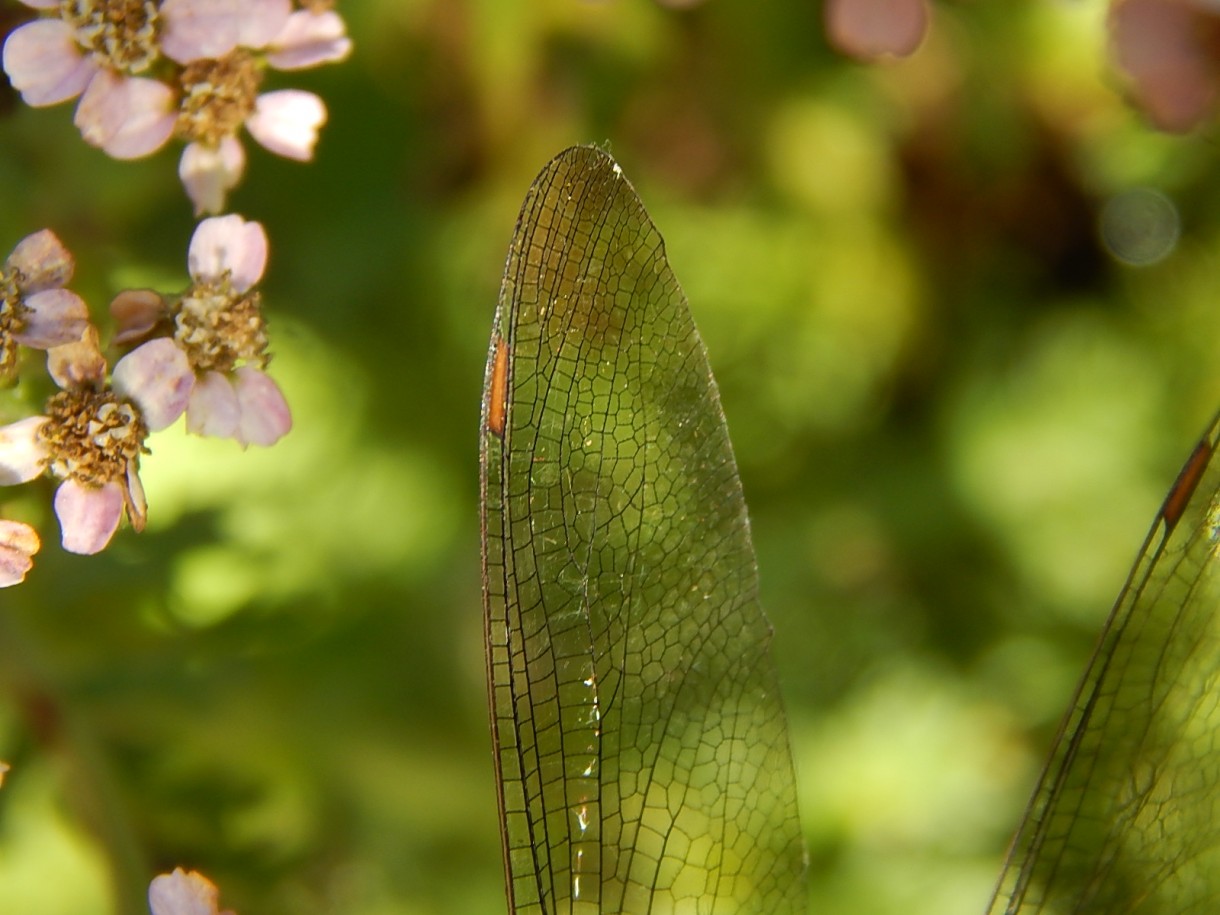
{"x": 641, "y": 747}
{"x": 1126, "y": 815}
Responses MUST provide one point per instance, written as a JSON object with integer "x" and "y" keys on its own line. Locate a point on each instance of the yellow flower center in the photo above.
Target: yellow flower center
{"x": 13, "y": 312}
{"x": 217, "y": 97}
{"x": 122, "y": 35}
{"x": 218, "y": 328}
{"x": 92, "y": 436}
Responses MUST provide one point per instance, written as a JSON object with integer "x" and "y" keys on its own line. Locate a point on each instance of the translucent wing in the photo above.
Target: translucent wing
{"x": 641, "y": 747}
{"x": 1126, "y": 816}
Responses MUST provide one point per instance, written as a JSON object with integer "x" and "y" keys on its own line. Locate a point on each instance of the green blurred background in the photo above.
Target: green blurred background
{"x": 955, "y": 411}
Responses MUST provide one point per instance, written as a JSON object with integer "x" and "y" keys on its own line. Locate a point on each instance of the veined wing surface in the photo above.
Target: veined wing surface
{"x": 641, "y": 747}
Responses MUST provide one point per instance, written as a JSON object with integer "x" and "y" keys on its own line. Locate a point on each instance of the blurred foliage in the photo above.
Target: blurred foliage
{"x": 954, "y": 409}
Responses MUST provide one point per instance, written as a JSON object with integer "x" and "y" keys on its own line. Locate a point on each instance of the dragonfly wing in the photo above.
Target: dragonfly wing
{"x": 641, "y": 746}
{"x": 1126, "y": 815}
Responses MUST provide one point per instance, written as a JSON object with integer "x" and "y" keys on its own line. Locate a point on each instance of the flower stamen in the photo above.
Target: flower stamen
{"x": 218, "y": 327}
{"x": 92, "y": 437}
{"x": 13, "y": 313}
{"x": 123, "y": 35}
{"x": 217, "y": 97}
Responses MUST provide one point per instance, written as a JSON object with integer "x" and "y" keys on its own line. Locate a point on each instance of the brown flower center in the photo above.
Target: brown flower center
{"x": 13, "y": 312}
{"x": 217, "y": 327}
{"x": 120, "y": 34}
{"x": 217, "y": 97}
{"x": 92, "y": 436}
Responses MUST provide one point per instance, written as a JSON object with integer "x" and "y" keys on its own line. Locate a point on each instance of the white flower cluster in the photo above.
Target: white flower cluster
{"x": 192, "y": 69}
{"x": 146, "y": 71}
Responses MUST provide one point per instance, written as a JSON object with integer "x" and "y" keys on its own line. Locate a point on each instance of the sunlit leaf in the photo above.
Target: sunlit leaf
{"x": 1126, "y": 815}
{"x": 641, "y": 746}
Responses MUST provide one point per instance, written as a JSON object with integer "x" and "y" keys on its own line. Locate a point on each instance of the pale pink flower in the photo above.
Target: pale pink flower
{"x": 218, "y": 325}
{"x": 216, "y": 43}
{"x": 126, "y": 117}
{"x": 35, "y": 309}
{"x": 198, "y": 29}
{"x": 98, "y": 49}
{"x": 1167, "y": 50}
{"x": 183, "y": 893}
{"x": 18, "y": 544}
{"x": 92, "y": 435}
{"x": 872, "y": 29}
{"x": 309, "y": 39}
{"x": 85, "y": 49}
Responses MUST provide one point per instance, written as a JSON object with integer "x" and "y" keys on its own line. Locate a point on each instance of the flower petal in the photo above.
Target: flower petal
{"x": 265, "y": 417}
{"x": 79, "y": 364}
{"x": 136, "y": 312}
{"x": 18, "y": 544}
{"x": 195, "y": 29}
{"x": 22, "y": 455}
{"x": 1162, "y": 47}
{"x": 309, "y": 39}
{"x": 869, "y": 29}
{"x": 208, "y": 174}
{"x": 261, "y": 21}
{"x": 182, "y": 893}
{"x": 44, "y": 63}
{"x": 56, "y": 317}
{"x": 213, "y": 409}
{"x": 88, "y": 515}
{"x": 287, "y": 122}
{"x": 44, "y": 261}
{"x": 157, "y": 376}
{"x": 134, "y": 499}
{"x": 228, "y": 243}
{"x": 128, "y": 117}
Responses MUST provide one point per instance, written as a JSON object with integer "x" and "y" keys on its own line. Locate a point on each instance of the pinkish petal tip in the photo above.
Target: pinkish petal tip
{"x": 44, "y": 63}
{"x": 18, "y": 544}
{"x": 197, "y": 29}
{"x": 43, "y": 260}
{"x": 261, "y": 21}
{"x": 1162, "y": 47}
{"x": 22, "y": 454}
{"x": 209, "y": 174}
{"x": 56, "y": 317}
{"x": 286, "y": 122}
{"x": 265, "y": 416}
{"x": 213, "y": 410}
{"x": 872, "y": 29}
{"x": 127, "y": 117}
{"x": 182, "y": 893}
{"x": 88, "y": 515}
{"x": 228, "y": 243}
{"x": 157, "y": 376}
{"x": 308, "y": 40}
